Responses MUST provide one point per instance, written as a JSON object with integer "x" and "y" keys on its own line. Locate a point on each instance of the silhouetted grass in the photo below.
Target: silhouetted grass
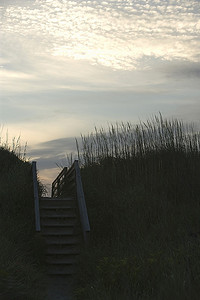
{"x": 142, "y": 190}
{"x": 21, "y": 275}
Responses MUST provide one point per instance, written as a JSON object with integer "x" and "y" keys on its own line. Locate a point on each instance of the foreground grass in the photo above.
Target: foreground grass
{"x": 20, "y": 249}
{"x": 144, "y": 210}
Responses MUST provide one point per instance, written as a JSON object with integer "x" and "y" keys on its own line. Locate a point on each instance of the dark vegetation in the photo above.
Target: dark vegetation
{"x": 142, "y": 188}
{"x": 21, "y": 274}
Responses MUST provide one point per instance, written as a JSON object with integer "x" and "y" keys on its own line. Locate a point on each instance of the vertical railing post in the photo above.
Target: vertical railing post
{"x": 82, "y": 204}
{"x": 58, "y": 188}
{"x": 36, "y": 197}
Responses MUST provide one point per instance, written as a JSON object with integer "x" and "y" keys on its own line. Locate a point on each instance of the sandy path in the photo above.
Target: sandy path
{"x": 59, "y": 289}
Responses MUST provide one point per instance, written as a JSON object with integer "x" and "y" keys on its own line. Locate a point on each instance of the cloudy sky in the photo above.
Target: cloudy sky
{"x": 66, "y": 66}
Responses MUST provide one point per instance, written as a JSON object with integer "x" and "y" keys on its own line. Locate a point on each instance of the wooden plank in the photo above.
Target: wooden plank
{"x": 81, "y": 203}
{"x": 36, "y": 197}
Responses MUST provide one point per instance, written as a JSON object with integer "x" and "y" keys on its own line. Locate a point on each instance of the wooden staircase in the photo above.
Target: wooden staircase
{"x": 61, "y": 229}
{"x": 63, "y": 222}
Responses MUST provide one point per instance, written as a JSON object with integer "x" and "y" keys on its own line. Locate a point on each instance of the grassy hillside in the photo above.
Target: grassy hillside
{"x": 142, "y": 187}
{"x": 20, "y": 249}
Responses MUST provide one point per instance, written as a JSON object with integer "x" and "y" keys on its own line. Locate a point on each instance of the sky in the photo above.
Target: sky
{"x": 68, "y": 66}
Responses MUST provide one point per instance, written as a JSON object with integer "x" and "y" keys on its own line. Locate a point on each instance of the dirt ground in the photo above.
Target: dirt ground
{"x": 59, "y": 289}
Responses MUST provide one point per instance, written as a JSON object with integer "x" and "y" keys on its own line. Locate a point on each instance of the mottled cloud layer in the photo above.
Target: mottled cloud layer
{"x": 119, "y": 34}
{"x": 91, "y": 45}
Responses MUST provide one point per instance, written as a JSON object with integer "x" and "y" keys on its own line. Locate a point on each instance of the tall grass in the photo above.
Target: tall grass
{"x": 21, "y": 275}
{"x": 142, "y": 189}
{"x": 127, "y": 141}
{"x": 14, "y": 145}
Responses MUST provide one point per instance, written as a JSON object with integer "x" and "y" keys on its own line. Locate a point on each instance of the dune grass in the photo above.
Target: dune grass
{"x": 142, "y": 190}
{"x": 21, "y": 275}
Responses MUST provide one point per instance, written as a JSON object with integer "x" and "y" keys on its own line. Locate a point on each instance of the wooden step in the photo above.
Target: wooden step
{"x": 56, "y": 198}
{"x": 61, "y": 269}
{"x": 57, "y": 210}
{"x": 66, "y": 249}
{"x": 61, "y": 260}
{"x": 49, "y": 220}
{"x": 58, "y": 222}
{"x": 57, "y": 214}
{"x": 62, "y": 240}
{"x": 48, "y": 202}
{"x": 59, "y": 230}
{"x": 58, "y": 205}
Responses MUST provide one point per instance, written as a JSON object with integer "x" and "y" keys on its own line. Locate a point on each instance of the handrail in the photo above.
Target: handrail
{"x": 81, "y": 204}
{"x": 60, "y": 179}
{"x": 36, "y": 197}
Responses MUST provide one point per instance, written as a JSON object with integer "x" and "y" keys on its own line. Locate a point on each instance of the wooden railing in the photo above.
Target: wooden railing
{"x": 36, "y": 197}
{"x": 59, "y": 184}
{"x": 67, "y": 183}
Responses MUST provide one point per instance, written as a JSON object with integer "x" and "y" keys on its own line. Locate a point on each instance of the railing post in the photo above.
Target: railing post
{"x": 82, "y": 204}
{"x": 36, "y": 197}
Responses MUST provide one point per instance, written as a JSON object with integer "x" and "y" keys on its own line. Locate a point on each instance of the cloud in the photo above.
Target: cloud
{"x": 186, "y": 70}
{"x": 47, "y": 115}
{"x": 66, "y": 66}
{"x": 55, "y": 147}
{"x": 115, "y": 34}
{"x": 52, "y": 153}
{"x": 51, "y": 156}
{"x": 189, "y": 111}
{"x": 95, "y": 45}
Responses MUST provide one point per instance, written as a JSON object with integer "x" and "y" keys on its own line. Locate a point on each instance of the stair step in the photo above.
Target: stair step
{"x": 63, "y": 206}
{"x": 61, "y": 221}
{"x": 66, "y": 249}
{"x": 57, "y": 223}
{"x": 62, "y": 260}
{"x": 59, "y": 230}
{"x": 66, "y": 209}
{"x": 57, "y": 214}
{"x": 61, "y": 270}
{"x": 70, "y": 202}
{"x": 62, "y": 240}
{"x": 56, "y": 198}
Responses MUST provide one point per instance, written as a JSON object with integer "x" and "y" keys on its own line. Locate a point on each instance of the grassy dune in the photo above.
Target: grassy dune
{"x": 142, "y": 190}
{"x": 20, "y": 249}
{"x": 142, "y": 187}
